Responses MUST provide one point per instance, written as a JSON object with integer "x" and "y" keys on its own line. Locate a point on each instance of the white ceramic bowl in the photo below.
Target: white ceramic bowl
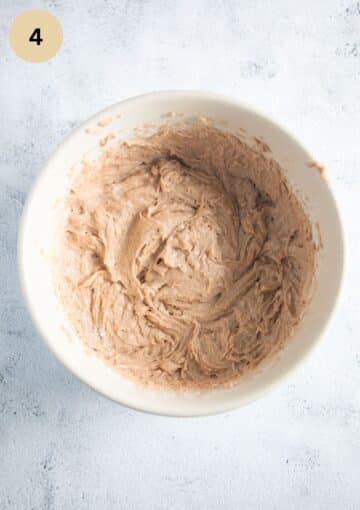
{"x": 36, "y": 242}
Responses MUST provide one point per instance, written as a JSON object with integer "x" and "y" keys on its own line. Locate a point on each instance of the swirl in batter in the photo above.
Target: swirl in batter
{"x": 185, "y": 259}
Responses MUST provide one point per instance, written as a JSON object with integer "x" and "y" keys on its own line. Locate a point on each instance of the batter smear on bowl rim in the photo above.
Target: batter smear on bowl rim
{"x": 185, "y": 260}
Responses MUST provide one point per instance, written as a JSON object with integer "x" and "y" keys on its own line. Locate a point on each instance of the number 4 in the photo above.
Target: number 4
{"x": 36, "y": 37}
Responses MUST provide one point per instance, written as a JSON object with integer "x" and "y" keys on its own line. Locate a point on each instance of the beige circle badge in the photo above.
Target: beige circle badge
{"x": 35, "y": 35}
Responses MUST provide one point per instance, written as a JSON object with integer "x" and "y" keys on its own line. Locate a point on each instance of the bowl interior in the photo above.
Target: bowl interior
{"x": 36, "y": 241}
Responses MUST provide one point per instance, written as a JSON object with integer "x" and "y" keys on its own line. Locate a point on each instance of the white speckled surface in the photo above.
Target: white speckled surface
{"x": 62, "y": 446}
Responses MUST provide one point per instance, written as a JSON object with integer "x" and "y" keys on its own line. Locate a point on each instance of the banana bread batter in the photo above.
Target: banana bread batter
{"x": 185, "y": 259}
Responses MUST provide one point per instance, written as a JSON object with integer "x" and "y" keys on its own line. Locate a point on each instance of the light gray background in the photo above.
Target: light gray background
{"x": 62, "y": 446}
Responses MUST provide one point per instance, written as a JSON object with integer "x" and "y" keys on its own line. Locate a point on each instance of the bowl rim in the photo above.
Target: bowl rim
{"x": 152, "y": 408}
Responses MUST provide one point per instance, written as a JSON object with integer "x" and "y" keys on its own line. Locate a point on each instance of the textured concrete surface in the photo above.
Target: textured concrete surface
{"x": 62, "y": 446}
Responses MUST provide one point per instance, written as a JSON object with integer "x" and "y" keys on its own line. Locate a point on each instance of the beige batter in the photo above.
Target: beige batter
{"x": 185, "y": 259}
